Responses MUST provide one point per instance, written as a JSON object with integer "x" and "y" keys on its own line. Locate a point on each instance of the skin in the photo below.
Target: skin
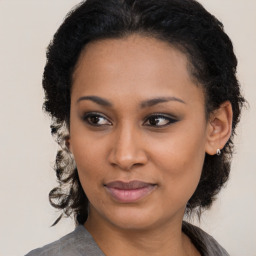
{"x": 122, "y": 143}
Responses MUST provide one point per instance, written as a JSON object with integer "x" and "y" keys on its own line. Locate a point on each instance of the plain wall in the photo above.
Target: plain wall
{"x": 27, "y": 151}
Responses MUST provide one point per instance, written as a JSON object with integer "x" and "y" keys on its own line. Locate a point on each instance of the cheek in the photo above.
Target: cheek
{"x": 181, "y": 160}
{"x": 90, "y": 172}
{"x": 89, "y": 159}
{"x": 85, "y": 149}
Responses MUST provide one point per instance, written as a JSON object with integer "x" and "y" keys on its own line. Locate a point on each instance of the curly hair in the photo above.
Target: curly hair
{"x": 184, "y": 24}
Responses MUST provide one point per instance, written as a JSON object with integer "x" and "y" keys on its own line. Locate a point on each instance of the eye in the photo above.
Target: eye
{"x": 96, "y": 119}
{"x": 159, "y": 120}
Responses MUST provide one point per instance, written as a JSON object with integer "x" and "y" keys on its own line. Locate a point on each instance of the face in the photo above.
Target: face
{"x": 137, "y": 131}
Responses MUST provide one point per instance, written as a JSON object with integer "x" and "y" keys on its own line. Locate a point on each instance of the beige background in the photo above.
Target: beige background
{"x": 27, "y": 150}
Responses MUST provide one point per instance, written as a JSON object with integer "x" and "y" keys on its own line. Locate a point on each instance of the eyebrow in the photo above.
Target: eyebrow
{"x": 144, "y": 104}
{"x": 97, "y": 100}
{"x": 154, "y": 101}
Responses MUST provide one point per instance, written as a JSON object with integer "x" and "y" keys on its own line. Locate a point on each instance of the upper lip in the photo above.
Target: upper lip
{"x": 134, "y": 184}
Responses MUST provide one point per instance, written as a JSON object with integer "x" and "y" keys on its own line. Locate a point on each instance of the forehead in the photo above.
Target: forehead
{"x": 134, "y": 50}
{"x": 134, "y": 64}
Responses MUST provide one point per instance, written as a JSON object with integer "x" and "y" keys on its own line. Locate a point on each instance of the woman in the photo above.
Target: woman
{"x": 145, "y": 102}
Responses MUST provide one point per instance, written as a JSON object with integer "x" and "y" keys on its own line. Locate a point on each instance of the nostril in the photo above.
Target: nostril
{"x": 127, "y": 149}
{"x": 128, "y": 163}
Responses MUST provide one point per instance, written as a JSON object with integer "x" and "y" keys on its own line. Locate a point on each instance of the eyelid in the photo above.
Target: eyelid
{"x": 86, "y": 115}
{"x": 172, "y": 119}
{"x": 169, "y": 117}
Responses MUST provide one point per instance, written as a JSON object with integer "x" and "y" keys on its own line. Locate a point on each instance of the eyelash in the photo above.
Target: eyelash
{"x": 170, "y": 119}
{"x": 87, "y": 118}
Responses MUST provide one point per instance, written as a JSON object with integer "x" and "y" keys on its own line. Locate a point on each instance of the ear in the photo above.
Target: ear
{"x": 219, "y": 128}
{"x": 67, "y": 143}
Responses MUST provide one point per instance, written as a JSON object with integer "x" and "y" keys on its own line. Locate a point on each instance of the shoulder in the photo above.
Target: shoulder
{"x": 79, "y": 242}
{"x": 205, "y": 243}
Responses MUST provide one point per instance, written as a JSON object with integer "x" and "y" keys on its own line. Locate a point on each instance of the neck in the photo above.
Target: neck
{"x": 164, "y": 240}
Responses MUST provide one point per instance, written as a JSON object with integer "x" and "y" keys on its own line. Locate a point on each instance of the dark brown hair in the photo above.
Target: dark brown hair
{"x": 185, "y": 24}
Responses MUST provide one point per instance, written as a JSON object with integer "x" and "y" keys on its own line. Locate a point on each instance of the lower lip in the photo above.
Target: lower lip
{"x": 130, "y": 195}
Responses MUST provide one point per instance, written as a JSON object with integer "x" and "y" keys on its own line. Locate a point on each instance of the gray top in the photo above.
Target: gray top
{"x": 81, "y": 243}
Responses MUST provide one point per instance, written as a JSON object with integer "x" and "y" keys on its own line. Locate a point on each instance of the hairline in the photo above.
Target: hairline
{"x": 146, "y": 34}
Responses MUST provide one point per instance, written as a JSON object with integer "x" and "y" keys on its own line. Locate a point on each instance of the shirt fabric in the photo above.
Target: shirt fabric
{"x": 81, "y": 243}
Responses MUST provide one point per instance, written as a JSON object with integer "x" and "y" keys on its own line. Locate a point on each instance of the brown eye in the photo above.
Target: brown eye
{"x": 159, "y": 120}
{"x": 96, "y": 119}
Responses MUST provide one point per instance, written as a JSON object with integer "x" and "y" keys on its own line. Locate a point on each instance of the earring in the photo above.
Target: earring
{"x": 218, "y": 152}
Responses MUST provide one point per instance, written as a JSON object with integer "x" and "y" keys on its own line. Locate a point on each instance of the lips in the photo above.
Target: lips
{"x": 128, "y": 192}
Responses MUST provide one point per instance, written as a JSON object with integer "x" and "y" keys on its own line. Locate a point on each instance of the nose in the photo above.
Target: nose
{"x": 127, "y": 149}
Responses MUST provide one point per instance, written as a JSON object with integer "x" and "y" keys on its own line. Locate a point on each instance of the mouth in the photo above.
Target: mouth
{"x": 129, "y": 192}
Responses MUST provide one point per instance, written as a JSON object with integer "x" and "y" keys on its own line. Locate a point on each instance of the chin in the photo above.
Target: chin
{"x": 136, "y": 219}
{"x": 134, "y": 223}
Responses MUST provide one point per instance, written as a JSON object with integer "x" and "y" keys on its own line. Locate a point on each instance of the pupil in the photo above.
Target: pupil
{"x": 95, "y": 119}
{"x": 154, "y": 121}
